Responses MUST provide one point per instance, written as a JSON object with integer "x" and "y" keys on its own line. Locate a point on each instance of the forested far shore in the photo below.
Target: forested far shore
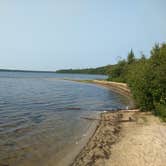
{"x": 99, "y": 70}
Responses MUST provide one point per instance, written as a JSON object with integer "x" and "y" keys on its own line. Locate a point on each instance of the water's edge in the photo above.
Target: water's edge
{"x": 68, "y": 160}
{"x": 92, "y": 130}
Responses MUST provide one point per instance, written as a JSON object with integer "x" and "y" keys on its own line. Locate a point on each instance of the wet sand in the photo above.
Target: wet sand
{"x": 99, "y": 145}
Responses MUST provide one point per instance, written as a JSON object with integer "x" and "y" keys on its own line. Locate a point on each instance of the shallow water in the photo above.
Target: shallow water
{"x": 40, "y": 115}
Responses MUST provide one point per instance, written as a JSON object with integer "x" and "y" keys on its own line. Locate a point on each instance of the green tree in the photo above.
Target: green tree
{"x": 143, "y": 57}
{"x": 130, "y": 57}
{"x": 158, "y": 66}
{"x": 118, "y": 71}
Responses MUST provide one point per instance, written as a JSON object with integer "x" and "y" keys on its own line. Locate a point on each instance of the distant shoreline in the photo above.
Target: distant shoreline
{"x": 28, "y": 71}
{"x": 44, "y": 71}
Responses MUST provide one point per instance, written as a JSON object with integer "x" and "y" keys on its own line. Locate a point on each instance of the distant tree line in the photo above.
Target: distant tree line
{"x": 99, "y": 70}
{"x": 146, "y": 78}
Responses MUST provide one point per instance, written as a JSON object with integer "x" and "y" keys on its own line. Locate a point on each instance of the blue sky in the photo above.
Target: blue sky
{"x": 57, "y": 34}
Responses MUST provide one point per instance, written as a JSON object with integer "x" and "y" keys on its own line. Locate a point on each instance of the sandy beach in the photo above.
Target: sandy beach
{"x": 125, "y": 138}
{"x": 141, "y": 142}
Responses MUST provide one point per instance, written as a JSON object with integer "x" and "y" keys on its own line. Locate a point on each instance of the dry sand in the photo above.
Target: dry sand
{"x": 141, "y": 143}
{"x": 126, "y": 138}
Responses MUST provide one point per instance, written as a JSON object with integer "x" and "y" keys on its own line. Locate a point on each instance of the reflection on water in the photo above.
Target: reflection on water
{"x": 40, "y": 115}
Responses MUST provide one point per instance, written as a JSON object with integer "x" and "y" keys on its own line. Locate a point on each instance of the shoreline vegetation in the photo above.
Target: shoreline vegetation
{"x": 124, "y": 137}
{"x": 144, "y": 75}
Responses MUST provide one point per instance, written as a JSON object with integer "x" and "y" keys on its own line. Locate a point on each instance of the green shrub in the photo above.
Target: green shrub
{"x": 146, "y": 78}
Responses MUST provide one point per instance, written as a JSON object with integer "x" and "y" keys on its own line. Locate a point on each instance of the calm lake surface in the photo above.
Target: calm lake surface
{"x": 40, "y": 115}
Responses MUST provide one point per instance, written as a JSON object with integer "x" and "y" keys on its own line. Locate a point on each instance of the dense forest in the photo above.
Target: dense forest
{"x": 98, "y": 70}
{"x": 146, "y": 78}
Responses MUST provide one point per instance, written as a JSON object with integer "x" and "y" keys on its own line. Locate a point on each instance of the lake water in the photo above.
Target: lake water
{"x": 40, "y": 115}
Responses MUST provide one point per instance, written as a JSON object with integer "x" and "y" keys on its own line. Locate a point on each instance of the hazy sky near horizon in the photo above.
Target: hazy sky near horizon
{"x": 57, "y": 34}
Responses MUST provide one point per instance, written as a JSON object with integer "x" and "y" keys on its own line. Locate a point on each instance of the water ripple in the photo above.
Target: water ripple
{"x": 40, "y": 115}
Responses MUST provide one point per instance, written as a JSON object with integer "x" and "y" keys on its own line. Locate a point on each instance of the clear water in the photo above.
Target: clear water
{"x": 40, "y": 114}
